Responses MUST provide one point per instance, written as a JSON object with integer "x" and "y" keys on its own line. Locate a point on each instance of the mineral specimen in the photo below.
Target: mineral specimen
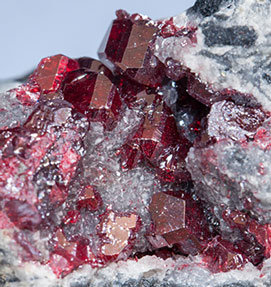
{"x": 150, "y": 167}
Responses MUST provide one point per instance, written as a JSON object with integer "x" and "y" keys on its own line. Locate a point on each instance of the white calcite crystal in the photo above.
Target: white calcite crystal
{"x": 232, "y": 47}
{"x": 228, "y": 174}
{"x": 12, "y": 112}
{"x": 225, "y": 117}
{"x": 129, "y": 191}
{"x": 147, "y": 271}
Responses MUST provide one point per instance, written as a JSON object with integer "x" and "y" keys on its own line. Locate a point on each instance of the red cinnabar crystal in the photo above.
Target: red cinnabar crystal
{"x": 52, "y": 70}
{"x": 168, "y": 213}
{"x": 127, "y": 49}
{"x": 157, "y": 140}
{"x": 116, "y": 231}
{"x": 223, "y": 256}
{"x": 94, "y": 94}
{"x": 90, "y": 199}
{"x": 22, "y": 214}
{"x": 176, "y": 222}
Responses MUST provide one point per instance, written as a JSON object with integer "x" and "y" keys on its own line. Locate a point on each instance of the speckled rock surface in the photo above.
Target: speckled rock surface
{"x": 232, "y": 46}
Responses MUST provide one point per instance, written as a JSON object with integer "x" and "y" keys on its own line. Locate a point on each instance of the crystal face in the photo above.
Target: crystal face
{"x": 127, "y": 49}
{"x": 168, "y": 213}
{"x": 143, "y": 153}
{"x": 93, "y": 94}
{"x": 52, "y": 70}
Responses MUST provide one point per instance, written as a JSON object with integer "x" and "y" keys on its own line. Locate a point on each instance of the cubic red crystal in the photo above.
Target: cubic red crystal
{"x": 175, "y": 219}
{"x": 51, "y": 71}
{"x": 167, "y": 212}
{"x": 127, "y": 49}
{"x": 93, "y": 94}
{"x": 117, "y": 230}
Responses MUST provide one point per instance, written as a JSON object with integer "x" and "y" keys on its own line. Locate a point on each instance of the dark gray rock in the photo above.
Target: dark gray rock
{"x": 207, "y": 7}
{"x": 216, "y": 35}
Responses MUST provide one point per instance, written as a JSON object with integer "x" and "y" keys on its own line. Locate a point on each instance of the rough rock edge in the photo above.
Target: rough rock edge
{"x": 5, "y": 86}
{"x": 147, "y": 271}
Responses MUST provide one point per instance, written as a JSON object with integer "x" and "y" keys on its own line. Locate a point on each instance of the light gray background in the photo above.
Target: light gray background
{"x": 33, "y": 29}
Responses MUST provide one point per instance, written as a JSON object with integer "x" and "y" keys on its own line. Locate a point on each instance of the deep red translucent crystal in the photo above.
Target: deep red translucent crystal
{"x": 92, "y": 92}
{"x": 176, "y": 222}
{"x": 127, "y": 49}
{"x": 52, "y": 70}
{"x": 168, "y": 213}
{"x": 89, "y": 199}
{"x": 157, "y": 140}
{"x": 223, "y": 256}
{"x": 22, "y": 214}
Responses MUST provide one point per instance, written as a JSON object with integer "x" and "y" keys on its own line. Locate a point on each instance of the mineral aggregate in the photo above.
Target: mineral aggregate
{"x": 148, "y": 167}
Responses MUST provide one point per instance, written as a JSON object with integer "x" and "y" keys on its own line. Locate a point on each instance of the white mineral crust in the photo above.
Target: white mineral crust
{"x": 227, "y": 62}
{"x": 147, "y": 271}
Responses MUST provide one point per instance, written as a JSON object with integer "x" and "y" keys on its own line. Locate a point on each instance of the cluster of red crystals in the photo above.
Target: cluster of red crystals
{"x": 20, "y": 151}
{"x": 115, "y": 236}
{"x": 40, "y": 160}
{"x": 157, "y": 140}
{"x": 223, "y": 256}
{"x": 255, "y": 243}
{"x": 67, "y": 255}
{"x": 70, "y": 249}
{"x": 168, "y": 29}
